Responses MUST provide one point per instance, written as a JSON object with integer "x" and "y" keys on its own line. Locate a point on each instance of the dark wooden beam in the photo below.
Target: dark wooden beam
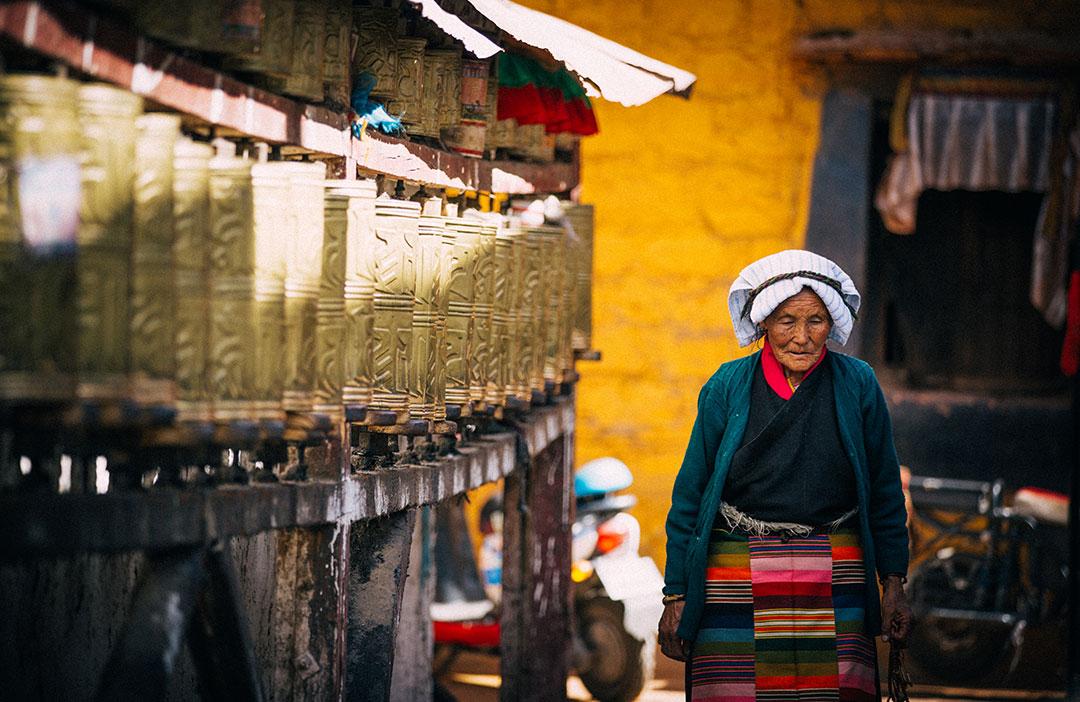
{"x": 1013, "y": 47}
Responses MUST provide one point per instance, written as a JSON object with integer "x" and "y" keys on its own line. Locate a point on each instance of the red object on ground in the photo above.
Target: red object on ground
{"x": 474, "y": 634}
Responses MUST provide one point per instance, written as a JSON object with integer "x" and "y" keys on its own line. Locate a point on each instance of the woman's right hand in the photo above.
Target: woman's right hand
{"x": 671, "y": 644}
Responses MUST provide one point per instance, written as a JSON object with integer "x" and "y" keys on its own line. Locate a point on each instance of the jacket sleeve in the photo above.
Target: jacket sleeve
{"x": 690, "y": 484}
{"x": 888, "y": 515}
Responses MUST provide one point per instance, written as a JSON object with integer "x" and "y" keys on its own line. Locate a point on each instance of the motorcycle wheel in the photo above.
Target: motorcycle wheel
{"x": 619, "y": 665}
{"x": 952, "y": 649}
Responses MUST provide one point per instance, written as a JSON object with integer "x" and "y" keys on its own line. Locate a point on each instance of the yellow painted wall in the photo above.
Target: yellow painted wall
{"x": 687, "y": 193}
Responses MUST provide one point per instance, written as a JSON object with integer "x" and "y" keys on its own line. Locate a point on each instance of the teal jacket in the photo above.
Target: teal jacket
{"x": 866, "y": 432}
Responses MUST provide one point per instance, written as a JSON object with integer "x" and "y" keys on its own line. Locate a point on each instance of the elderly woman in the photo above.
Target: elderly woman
{"x": 787, "y": 501}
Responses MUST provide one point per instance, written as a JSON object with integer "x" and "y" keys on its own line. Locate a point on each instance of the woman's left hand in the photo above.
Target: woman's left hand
{"x": 896, "y": 616}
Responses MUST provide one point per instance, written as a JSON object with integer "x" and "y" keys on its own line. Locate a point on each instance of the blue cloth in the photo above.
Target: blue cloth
{"x": 723, "y": 410}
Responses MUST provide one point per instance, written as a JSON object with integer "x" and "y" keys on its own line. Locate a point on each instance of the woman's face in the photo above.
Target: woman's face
{"x": 797, "y": 331}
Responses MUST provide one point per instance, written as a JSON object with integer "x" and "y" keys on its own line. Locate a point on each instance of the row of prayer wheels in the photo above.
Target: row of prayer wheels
{"x": 140, "y": 266}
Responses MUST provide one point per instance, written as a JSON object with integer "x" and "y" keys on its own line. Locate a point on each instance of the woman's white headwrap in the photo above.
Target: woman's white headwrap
{"x": 766, "y": 283}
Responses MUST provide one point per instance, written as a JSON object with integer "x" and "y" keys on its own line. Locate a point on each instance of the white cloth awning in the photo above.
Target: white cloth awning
{"x": 607, "y": 69}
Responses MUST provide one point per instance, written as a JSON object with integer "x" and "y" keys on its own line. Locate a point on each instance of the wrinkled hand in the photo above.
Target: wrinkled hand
{"x": 896, "y": 616}
{"x": 671, "y": 644}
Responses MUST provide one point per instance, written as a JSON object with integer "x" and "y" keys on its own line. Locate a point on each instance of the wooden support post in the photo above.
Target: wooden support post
{"x": 378, "y": 563}
{"x": 536, "y": 600}
{"x": 415, "y": 639}
{"x": 309, "y": 612}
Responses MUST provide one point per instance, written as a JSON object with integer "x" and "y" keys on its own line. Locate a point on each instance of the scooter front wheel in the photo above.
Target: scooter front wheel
{"x": 617, "y": 665}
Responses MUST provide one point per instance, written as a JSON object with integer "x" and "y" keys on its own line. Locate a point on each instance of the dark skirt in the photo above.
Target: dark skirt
{"x": 783, "y": 620}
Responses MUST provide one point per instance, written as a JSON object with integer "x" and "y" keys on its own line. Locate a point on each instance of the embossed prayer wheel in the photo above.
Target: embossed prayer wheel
{"x": 39, "y": 219}
{"x": 336, "y": 46}
{"x": 500, "y": 357}
{"x": 467, "y": 137}
{"x": 539, "y": 265}
{"x": 359, "y": 289}
{"x": 396, "y": 230}
{"x": 191, "y": 259}
{"x": 440, "y": 104}
{"x": 272, "y": 54}
{"x": 305, "y": 73}
{"x": 410, "y": 80}
{"x": 459, "y": 261}
{"x": 107, "y": 116}
{"x": 483, "y": 235}
{"x": 553, "y": 260}
{"x": 523, "y": 292}
{"x": 424, "y": 395}
{"x": 153, "y": 297}
{"x": 303, "y": 273}
{"x": 272, "y": 205}
{"x": 376, "y": 48}
{"x": 581, "y": 219}
{"x": 232, "y": 359}
{"x": 330, "y": 334}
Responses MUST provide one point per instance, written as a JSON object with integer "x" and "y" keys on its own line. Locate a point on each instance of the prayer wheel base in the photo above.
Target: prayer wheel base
{"x": 412, "y": 427}
{"x": 369, "y": 417}
{"x": 236, "y": 433}
{"x": 307, "y": 427}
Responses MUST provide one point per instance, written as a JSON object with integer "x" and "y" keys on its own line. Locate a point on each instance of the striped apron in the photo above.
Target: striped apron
{"x": 783, "y": 620}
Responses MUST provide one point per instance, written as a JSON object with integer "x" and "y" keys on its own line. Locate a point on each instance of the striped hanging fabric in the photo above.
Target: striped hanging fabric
{"x": 531, "y": 94}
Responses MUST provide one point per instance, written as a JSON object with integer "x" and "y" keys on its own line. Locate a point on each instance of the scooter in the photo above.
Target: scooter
{"x": 617, "y": 592}
{"x": 985, "y": 570}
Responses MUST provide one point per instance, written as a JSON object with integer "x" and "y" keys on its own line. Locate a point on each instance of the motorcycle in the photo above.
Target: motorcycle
{"x": 617, "y": 592}
{"x": 984, "y": 572}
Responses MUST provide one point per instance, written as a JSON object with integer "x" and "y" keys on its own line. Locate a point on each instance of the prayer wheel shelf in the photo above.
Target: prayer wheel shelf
{"x": 107, "y": 51}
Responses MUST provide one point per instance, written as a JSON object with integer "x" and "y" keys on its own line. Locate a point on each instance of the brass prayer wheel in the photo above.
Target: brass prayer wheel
{"x": 581, "y": 218}
{"x": 336, "y": 46}
{"x": 191, "y": 258}
{"x": 523, "y": 292}
{"x": 440, "y": 104}
{"x": 359, "y": 289}
{"x": 39, "y": 219}
{"x": 232, "y": 358}
{"x": 376, "y": 48}
{"x": 272, "y": 54}
{"x": 330, "y": 333}
{"x": 303, "y": 273}
{"x": 271, "y": 204}
{"x": 481, "y": 239}
{"x": 499, "y": 359}
{"x": 396, "y": 230}
{"x": 539, "y": 281}
{"x": 107, "y": 116}
{"x": 410, "y": 80}
{"x": 553, "y": 259}
{"x": 153, "y": 298}
{"x": 424, "y": 396}
{"x": 459, "y": 261}
{"x": 305, "y": 68}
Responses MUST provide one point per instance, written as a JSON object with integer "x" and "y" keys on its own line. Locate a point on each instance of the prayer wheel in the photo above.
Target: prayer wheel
{"x": 376, "y": 48}
{"x": 467, "y": 137}
{"x": 271, "y": 201}
{"x": 107, "y": 117}
{"x": 410, "y": 80}
{"x": 553, "y": 259}
{"x": 499, "y": 359}
{"x": 440, "y": 104}
{"x": 459, "y": 260}
{"x": 232, "y": 359}
{"x": 330, "y": 333}
{"x": 191, "y": 259}
{"x": 153, "y": 291}
{"x": 359, "y": 289}
{"x": 396, "y": 230}
{"x": 271, "y": 55}
{"x": 424, "y": 396}
{"x": 304, "y": 78}
{"x": 581, "y": 219}
{"x": 523, "y": 292}
{"x": 39, "y": 218}
{"x": 538, "y": 288}
{"x": 482, "y": 243}
{"x": 303, "y": 273}
{"x": 336, "y": 45}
